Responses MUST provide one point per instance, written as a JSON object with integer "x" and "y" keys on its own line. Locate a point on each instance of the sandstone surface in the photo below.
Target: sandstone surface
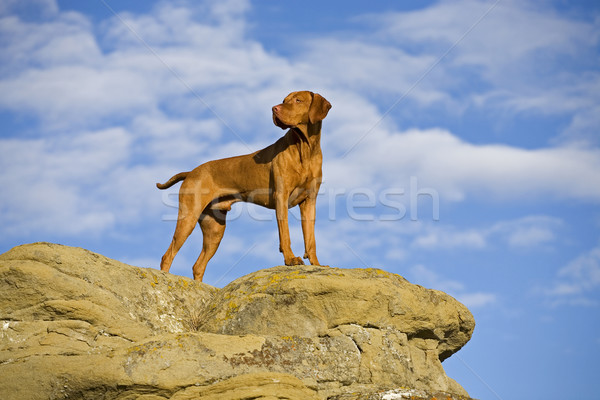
{"x": 75, "y": 324}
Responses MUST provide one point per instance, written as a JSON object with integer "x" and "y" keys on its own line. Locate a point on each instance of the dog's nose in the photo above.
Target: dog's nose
{"x": 276, "y": 109}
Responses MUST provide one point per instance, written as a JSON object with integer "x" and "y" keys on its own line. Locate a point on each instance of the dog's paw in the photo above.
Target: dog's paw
{"x": 294, "y": 261}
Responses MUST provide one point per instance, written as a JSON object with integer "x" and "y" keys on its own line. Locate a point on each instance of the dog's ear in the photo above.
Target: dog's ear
{"x": 318, "y": 108}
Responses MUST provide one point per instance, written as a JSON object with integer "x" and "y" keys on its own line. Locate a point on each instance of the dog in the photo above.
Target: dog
{"x": 280, "y": 176}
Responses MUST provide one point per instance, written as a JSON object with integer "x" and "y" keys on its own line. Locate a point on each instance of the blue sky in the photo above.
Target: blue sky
{"x": 462, "y": 151}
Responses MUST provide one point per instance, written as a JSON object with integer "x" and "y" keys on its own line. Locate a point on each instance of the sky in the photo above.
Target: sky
{"x": 462, "y": 151}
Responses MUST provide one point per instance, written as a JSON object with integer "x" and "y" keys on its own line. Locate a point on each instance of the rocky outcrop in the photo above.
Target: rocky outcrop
{"x": 75, "y": 324}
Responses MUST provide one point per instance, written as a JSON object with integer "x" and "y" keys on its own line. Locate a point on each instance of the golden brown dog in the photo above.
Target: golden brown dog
{"x": 280, "y": 176}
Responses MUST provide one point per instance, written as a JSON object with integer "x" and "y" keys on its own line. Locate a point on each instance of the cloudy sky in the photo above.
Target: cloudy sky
{"x": 462, "y": 150}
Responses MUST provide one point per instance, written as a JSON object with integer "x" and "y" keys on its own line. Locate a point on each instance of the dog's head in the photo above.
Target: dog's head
{"x": 300, "y": 109}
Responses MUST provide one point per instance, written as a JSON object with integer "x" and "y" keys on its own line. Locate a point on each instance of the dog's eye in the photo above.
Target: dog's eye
{"x": 298, "y": 101}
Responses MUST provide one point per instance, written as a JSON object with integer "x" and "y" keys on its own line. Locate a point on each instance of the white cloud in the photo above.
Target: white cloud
{"x": 524, "y": 233}
{"x": 578, "y": 282}
{"x": 425, "y": 276}
{"x": 181, "y": 23}
{"x": 370, "y": 67}
{"x": 584, "y": 270}
{"x": 85, "y": 175}
{"x": 518, "y": 50}
{"x": 449, "y": 239}
{"x": 528, "y": 232}
{"x": 477, "y": 299}
{"x": 585, "y": 124}
{"x": 179, "y": 142}
{"x": 455, "y": 168}
{"x": 506, "y": 36}
{"x": 165, "y": 59}
{"x": 76, "y": 95}
{"x": 81, "y": 80}
{"x": 72, "y": 184}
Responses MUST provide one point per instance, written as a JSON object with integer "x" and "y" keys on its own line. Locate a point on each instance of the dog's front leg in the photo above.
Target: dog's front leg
{"x": 281, "y": 211}
{"x": 307, "y": 213}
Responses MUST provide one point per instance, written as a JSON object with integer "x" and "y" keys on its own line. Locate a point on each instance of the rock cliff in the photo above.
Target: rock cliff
{"x": 75, "y": 324}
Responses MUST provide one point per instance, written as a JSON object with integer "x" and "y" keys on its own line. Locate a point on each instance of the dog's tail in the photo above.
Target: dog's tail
{"x": 174, "y": 179}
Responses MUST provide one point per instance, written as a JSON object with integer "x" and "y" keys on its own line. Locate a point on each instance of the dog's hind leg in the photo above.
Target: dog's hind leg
{"x": 212, "y": 223}
{"x": 183, "y": 230}
{"x": 191, "y": 204}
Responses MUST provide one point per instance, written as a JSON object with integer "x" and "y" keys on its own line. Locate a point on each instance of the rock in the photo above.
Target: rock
{"x": 313, "y": 300}
{"x": 268, "y": 386}
{"x": 77, "y": 324}
{"x": 46, "y": 281}
{"x": 391, "y": 332}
